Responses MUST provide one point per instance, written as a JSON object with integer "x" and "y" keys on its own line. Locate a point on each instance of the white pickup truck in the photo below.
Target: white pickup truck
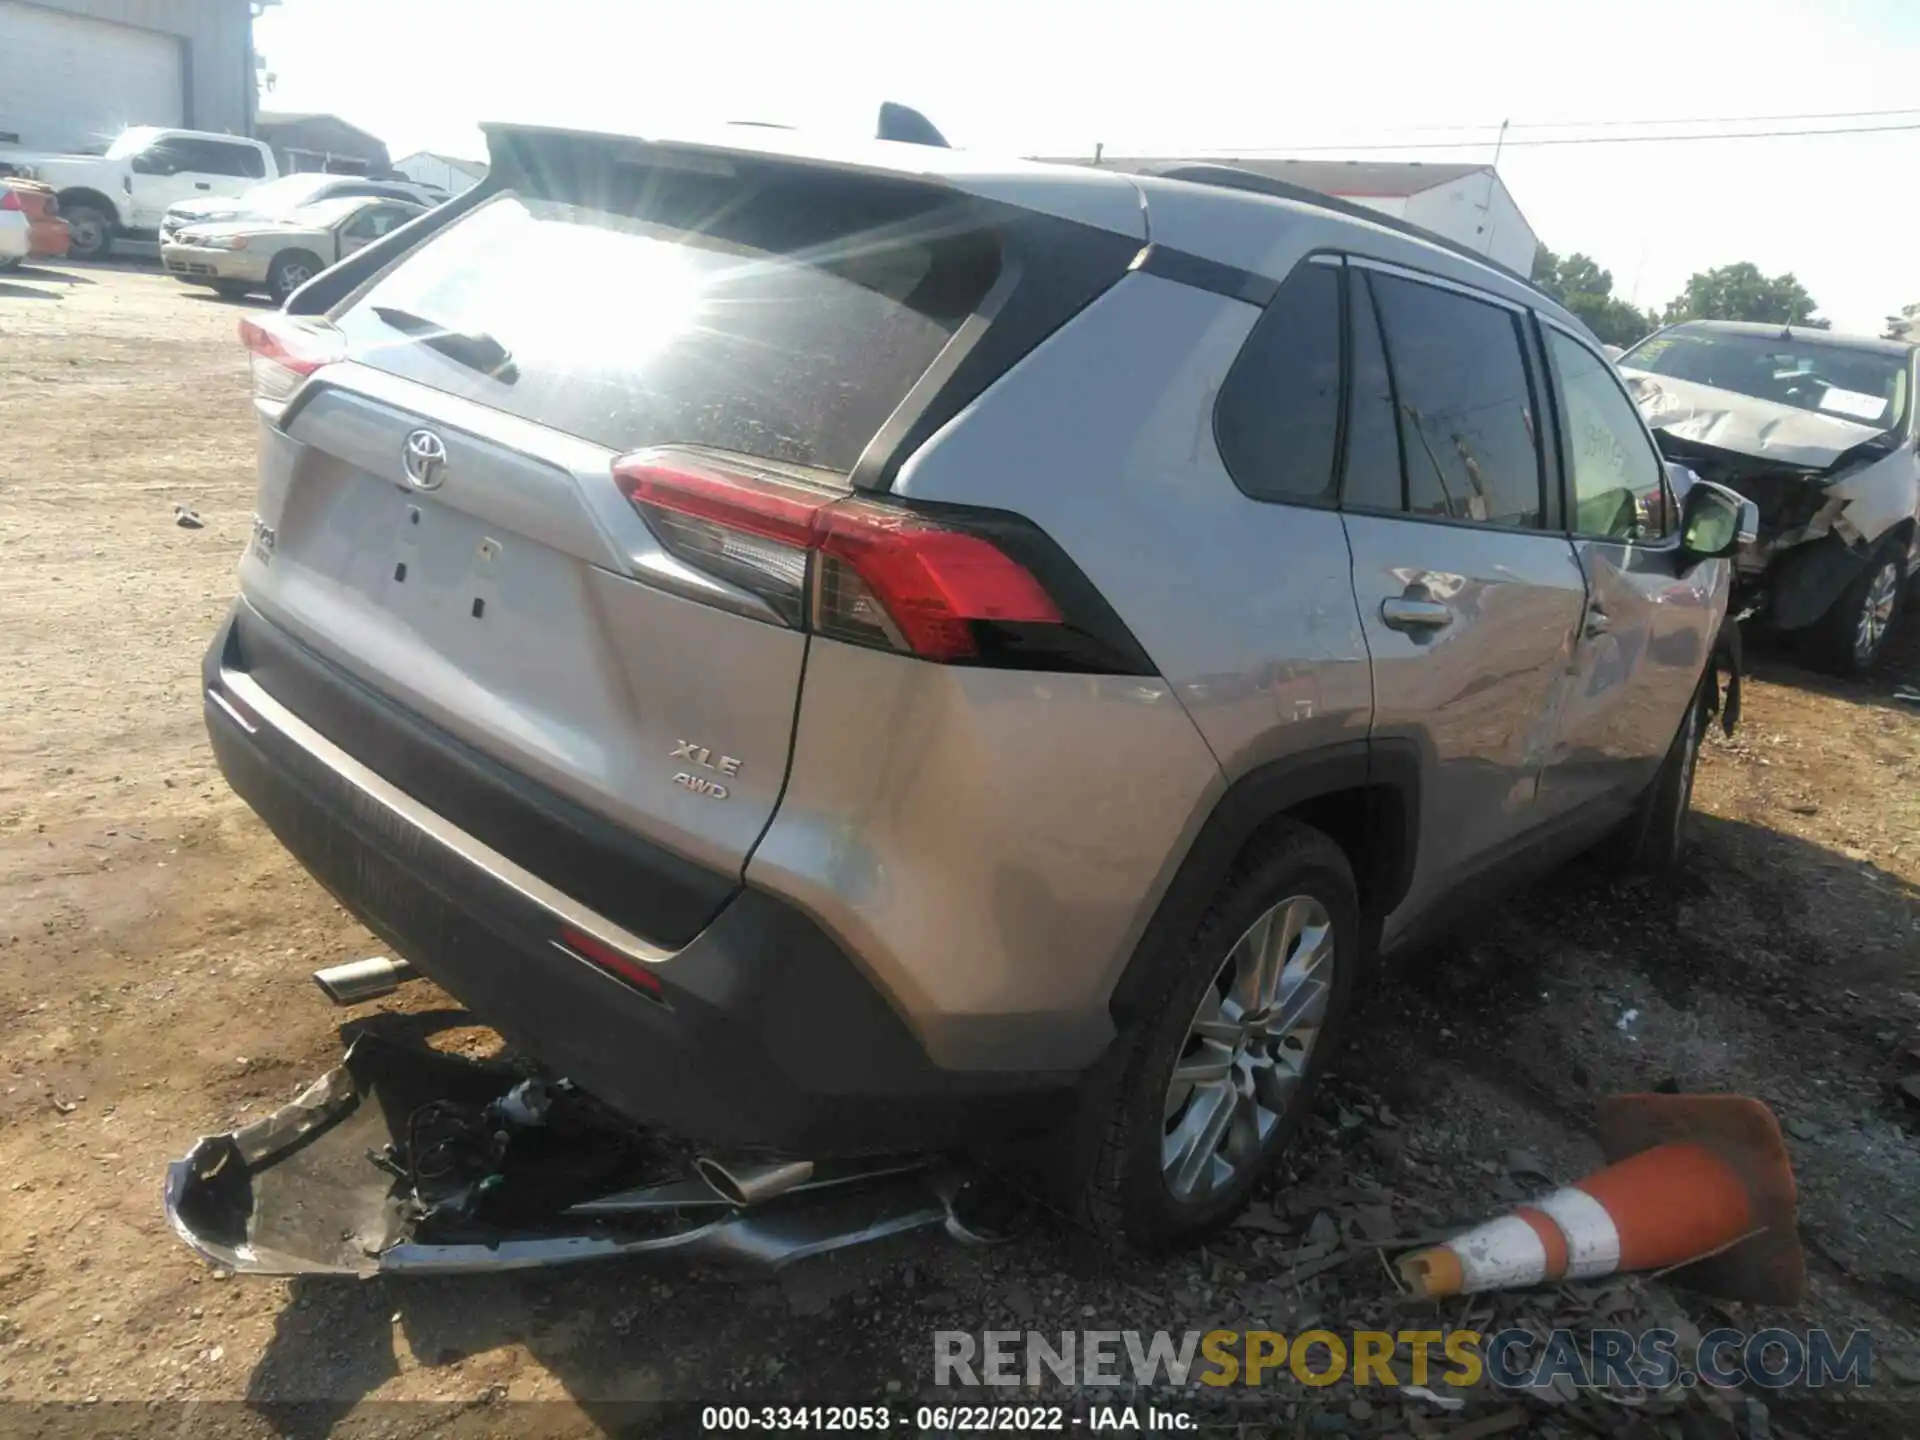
{"x": 125, "y": 191}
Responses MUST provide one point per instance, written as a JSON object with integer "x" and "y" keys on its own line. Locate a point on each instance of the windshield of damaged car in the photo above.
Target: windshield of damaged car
{"x": 1858, "y": 385}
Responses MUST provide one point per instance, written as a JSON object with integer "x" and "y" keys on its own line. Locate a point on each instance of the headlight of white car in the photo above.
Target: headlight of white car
{"x": 217, "y": 242}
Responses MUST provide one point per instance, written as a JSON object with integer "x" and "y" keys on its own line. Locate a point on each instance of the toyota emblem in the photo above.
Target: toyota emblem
{"x": 425, "y": 458}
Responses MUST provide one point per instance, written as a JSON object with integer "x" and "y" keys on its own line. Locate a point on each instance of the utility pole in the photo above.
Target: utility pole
{"x": 1492, "y": 175}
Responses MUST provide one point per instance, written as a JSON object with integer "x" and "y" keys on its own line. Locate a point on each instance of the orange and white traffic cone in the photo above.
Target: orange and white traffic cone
{"x": 1700, "y": 1181}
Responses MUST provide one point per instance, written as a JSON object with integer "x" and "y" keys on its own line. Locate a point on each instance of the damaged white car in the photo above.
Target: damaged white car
{"x": 1819, "y": 431}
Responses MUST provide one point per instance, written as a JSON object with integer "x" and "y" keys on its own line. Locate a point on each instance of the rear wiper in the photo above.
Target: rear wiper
{"x": 474, "y": 349}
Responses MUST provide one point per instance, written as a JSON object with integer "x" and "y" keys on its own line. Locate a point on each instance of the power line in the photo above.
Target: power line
{"x": 1614, "y": 124}
{"x": 1573, "y": 140}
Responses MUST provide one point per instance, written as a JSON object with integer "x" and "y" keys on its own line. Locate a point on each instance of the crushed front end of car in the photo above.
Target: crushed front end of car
{"x": 1829, "y": 490}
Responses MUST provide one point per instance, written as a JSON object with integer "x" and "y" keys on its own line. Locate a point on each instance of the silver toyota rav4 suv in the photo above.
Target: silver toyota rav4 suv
{"x": 864, "y": 649}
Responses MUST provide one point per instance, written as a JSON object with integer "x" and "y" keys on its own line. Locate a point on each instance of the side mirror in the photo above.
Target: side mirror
{"x": 1716, "y": 521}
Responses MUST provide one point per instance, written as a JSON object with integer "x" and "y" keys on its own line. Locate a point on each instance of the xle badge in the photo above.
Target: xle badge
{"x": 701, "y": 756}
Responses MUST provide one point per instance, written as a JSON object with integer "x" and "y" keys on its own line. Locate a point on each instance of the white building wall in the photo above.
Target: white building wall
{"x": 1477, "y": 211}
{"x": 1394, "y": 205}
{"x": 429, "y": 169}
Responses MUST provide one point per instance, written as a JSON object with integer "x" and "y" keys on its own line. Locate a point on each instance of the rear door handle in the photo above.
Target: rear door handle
{"x": 1400, "y": 613}
{"x": 203, "y": 185}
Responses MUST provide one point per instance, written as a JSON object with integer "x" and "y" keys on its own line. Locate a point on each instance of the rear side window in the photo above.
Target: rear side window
{"x": 776, "y": 316}
{"x": 1465, "y": 405}
{"x": 1278, "y": 418}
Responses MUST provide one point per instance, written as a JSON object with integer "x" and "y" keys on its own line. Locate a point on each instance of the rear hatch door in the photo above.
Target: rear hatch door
{"x": 440, "y": 518}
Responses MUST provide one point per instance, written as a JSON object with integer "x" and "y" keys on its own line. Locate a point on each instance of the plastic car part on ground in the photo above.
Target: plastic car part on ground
{"x": 404, "y": 1158}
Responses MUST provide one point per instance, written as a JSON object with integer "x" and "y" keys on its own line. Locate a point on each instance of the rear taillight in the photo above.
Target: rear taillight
{"x": 9, "y": 200}
{"x": 286, "y": 351}
{"x": 957, "y": 587}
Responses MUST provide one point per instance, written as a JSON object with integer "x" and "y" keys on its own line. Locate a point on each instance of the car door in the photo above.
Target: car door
{"x": 1468, "y": 596}
{"x": 1650, "y": 616}
{"x": 181, "y": 167}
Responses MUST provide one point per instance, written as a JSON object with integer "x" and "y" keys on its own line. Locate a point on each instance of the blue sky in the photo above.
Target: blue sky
{"x": 1842, "y": 212}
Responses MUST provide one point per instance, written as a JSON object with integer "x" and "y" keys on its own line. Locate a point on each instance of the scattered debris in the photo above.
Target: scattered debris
{"x": 187, "y": 519}
{"x": 1445, "y": 1402}
{"x": 1509, "y": 1419}
{"x": 1525, "y": 1165}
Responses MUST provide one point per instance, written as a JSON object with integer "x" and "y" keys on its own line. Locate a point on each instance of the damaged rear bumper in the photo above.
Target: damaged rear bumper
{"x": 358, "y": 1176}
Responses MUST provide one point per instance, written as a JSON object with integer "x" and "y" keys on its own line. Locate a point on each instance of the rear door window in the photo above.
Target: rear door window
{"x": 1467, "y": 425}
{"x": 651, "y": 307}
{"x": 1374, "y": 479}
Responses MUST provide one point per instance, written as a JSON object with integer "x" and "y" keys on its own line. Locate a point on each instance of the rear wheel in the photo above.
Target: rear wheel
{"x": 89, "y": 231}
{"x": 289, "y": 272}
{"x": 1220, "y": 1070}
{"x": 1850, "y": 637}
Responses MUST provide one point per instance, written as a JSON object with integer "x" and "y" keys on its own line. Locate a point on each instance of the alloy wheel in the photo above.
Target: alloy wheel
{"x": 1877, "y": 613}
{"x": 1247, "y": 1047}
{"x": 86, "y": 235}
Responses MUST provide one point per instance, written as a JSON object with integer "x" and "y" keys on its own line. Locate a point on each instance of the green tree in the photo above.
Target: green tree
{"x": 1578, "y": 282}
{"x": 1741, "y": 292}
{"x": 1612, "y": 320}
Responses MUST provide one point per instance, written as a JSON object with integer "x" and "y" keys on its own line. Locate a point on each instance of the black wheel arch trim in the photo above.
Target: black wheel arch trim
{"x": 1386, "y": 773}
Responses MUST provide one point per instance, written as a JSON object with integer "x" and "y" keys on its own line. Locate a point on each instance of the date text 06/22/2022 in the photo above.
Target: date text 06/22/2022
{"x": 945, "y": 1419}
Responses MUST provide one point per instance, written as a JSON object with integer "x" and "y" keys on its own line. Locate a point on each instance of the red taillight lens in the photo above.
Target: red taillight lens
{"x": 856, "y": 569}
{"x": 286, "y": 351}
{"x": 9, "y": 200}
{"x": 880, "y": 563}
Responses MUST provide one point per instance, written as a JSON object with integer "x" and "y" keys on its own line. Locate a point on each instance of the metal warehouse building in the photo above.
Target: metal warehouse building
{"x": 75, "y": 73}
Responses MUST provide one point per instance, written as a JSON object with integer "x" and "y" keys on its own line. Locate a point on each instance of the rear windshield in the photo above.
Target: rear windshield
{"x": 1867, "y": 387}
{"x": 779, "y": 316}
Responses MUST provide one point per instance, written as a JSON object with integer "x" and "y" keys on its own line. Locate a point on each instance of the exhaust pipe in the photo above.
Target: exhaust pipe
{"x": 367, "y": 979}
{"x": 752, "y": 1183}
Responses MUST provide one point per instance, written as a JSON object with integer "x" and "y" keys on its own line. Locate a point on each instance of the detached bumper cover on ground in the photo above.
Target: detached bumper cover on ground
{"x": 370, "y": 1171}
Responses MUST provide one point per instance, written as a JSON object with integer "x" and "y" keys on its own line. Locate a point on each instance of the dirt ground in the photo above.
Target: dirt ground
{"x": 155, "y": 944}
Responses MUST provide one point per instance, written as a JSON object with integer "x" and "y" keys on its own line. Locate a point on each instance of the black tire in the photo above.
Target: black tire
{"x": 290, "y": 270}
{"x": 89, "y": 231}
{"x": 1656, "y": 836}
{"x": 1126, "y": 1195}
{"x": 1850, "y": 637}
{"x": 232, "y": 289}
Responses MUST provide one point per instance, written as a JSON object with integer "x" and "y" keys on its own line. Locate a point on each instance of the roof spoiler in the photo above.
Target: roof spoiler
{"x": 1233, "y": 177}
{"x": 905, "y": 124}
